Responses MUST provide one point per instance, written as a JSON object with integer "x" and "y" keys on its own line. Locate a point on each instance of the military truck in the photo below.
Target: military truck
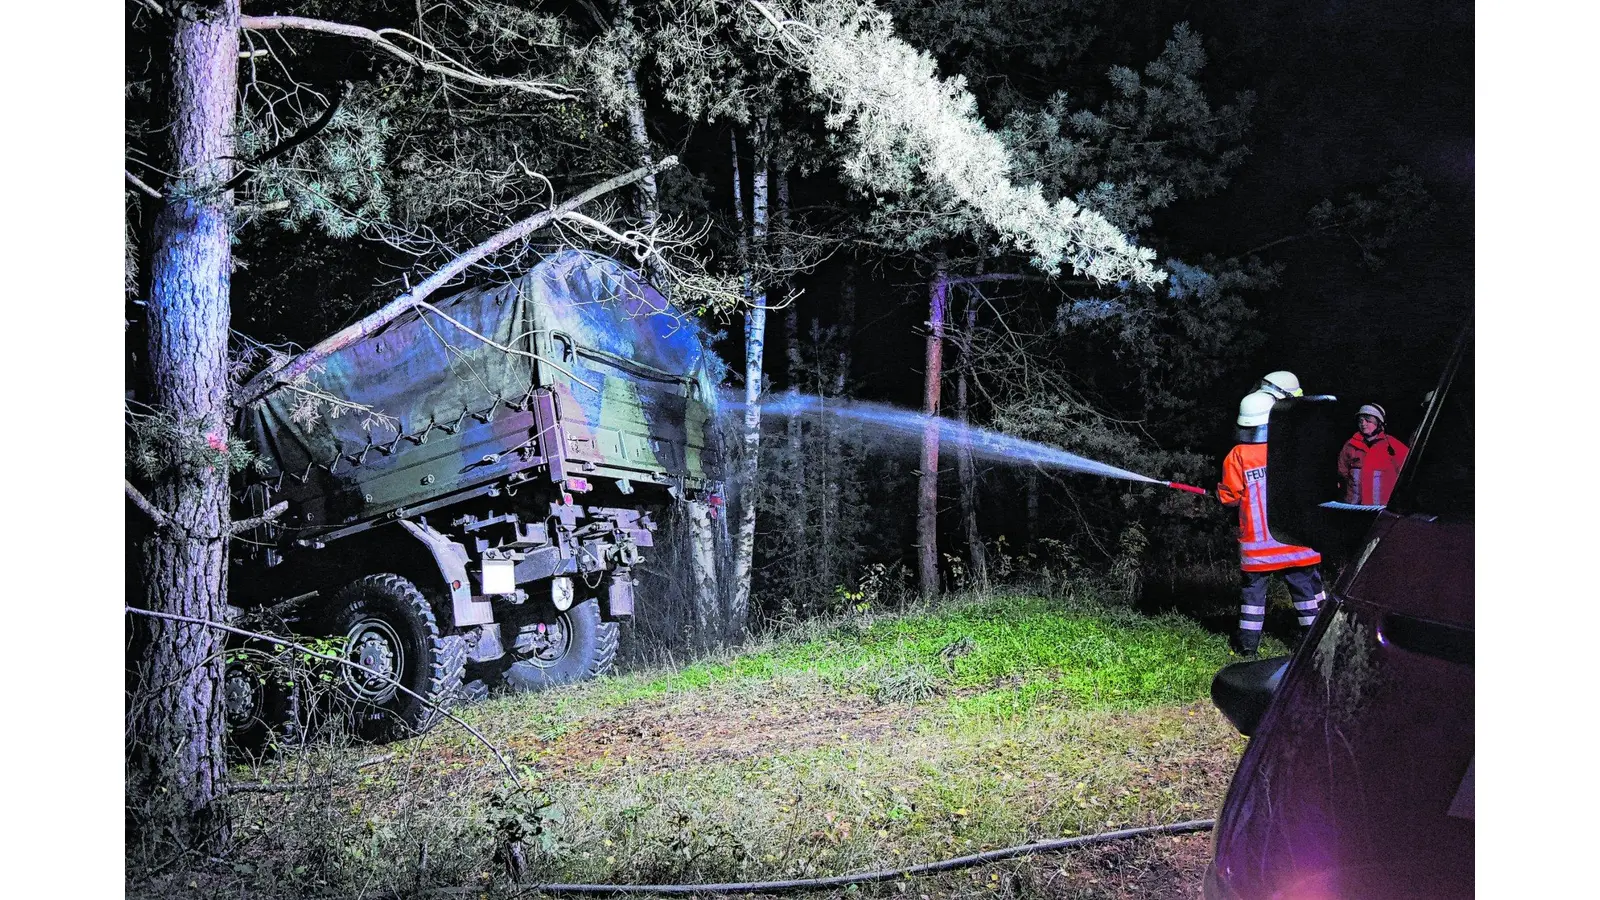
{"x": 471, "y": 488}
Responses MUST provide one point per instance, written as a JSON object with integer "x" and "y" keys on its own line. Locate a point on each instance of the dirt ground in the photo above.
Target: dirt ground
{"x": 663, "y": 735}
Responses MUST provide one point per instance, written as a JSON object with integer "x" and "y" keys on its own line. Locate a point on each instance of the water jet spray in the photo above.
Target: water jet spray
{"x": 984, "y": 443}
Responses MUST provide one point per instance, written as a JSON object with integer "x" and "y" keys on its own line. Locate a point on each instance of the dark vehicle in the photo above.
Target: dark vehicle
{"x": 1358, "y": 779}
{"x": 478, "y": 493}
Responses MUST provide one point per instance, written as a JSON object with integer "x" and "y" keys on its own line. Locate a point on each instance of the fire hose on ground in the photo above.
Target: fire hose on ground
{"x": 837, "y": 881}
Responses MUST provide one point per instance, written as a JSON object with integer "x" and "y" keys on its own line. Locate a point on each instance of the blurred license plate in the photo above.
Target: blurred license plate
{"x": 499, "y": 576}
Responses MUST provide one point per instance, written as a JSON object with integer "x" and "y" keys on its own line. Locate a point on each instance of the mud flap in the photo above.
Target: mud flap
{"x": 465, "y": 609}
{"x": 619, "y": 596}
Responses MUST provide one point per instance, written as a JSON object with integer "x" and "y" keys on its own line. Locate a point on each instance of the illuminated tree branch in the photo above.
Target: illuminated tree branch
{"x": 449, "y": 68}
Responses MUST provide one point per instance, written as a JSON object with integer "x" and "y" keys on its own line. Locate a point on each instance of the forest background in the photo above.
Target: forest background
{"x": 1304, "y": 176}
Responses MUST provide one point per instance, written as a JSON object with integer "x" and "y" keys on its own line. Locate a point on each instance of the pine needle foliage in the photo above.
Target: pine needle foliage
{"x": 902, "y": 124}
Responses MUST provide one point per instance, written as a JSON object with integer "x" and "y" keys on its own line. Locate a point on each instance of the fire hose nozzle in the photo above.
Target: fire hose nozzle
{"x": 1187, "y": 487}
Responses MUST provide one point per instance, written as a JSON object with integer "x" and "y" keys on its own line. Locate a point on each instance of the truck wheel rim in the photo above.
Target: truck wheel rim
{"x": 375, "y": 647}
{"x": 544, "y": 650}
{"x": 239, "y": 696}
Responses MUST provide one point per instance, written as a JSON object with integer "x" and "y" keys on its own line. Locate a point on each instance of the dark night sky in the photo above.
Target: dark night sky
{"x": 1348, "y": 90}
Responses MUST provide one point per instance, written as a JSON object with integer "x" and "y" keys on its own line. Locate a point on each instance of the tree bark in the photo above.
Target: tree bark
{"x": 647, "y": 200}
{"x": 928, "y": 476}
{"x": 755, "y": 337}
{"x": 177, "y": 761}
{"x": 1033, "y": 507}
{"x": 648, "y": 203}
{"x": 977, "y": 557}
{"x": 831, "y": 472}
{"x": 847, "y": 328}
{"x": 807, "y": 556}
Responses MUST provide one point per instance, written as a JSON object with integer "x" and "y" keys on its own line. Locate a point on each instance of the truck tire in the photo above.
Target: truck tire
{"x": 575, "y": 646}
{"x": 260, "y": 707}
{"x": 389, "y": 628}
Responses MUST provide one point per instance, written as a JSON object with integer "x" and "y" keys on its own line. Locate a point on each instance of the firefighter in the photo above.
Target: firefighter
{"x": 1369, "y": 463}
{"x": 1281, "y": 385}
{"x": 1244, "y": 484}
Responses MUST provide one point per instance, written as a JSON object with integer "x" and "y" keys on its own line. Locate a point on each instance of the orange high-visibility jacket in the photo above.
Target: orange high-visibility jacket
{"x": 1244, "y": 484}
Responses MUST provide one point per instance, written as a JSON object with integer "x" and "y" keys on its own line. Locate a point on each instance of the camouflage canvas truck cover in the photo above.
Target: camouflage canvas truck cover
{"x": 486, "y": 498}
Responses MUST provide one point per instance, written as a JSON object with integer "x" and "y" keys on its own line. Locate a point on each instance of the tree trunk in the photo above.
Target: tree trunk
{"x": 977, "y": 558}
{"x": 830, "y": 472}
{"x": 847, "y": 328}
{"x": 646, "y": 203}
{"x": 928, "y": 476}
{"x": 177, "y": 755}
{"x": 1033, "y": 508}
{"x": 807, "y": 556}
{"x": 755, "y": 337}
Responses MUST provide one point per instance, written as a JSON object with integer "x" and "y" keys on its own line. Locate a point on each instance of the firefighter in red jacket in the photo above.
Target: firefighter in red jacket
{"x": 1244, "y": 484}
{"x": 1369, "y": 464}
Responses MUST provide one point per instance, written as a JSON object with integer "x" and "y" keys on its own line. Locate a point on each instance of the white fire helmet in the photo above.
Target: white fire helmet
{"x": 1281, "y": 385}
{"x": 1255, "y": 408}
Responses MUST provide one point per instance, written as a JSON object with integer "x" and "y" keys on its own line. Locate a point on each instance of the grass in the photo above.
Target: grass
{"x": 866, "y": 742}
{"x": 1028, "y": 647}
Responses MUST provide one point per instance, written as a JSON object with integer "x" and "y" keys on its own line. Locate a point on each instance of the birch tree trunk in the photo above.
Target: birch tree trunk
{"x": 177, "y": 760}
{"x": 755, "y": 337}
{"x": 928, "y": 475}
{"x": 977, "y": 558}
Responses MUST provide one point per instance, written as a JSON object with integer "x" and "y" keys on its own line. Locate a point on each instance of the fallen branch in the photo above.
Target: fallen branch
{"x": 381, "y": 37}
{"x": 502, "y": 347}
{"x": 275, "y": 639}
{"x": 269, "y": 379}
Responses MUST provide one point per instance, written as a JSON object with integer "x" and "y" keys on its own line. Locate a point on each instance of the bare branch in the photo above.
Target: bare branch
{"x": 250, "y": 787}
{"x": 146, "y": 507}
{"x": 271, "y": 378}
{"x": 366, "y": 672}
{"x": 995, "y": 276}
{"x": 449, "y": 68}
{"x": 145, "y": 189}
{"x": 300, "y": 137}
{"x": 271, "y": 514}
{"x": 502, "y": 347}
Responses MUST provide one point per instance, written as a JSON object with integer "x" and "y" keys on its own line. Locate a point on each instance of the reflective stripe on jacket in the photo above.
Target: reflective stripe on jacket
{"x": 1244, "y": 484}
{"x": 1368, "y": 472}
